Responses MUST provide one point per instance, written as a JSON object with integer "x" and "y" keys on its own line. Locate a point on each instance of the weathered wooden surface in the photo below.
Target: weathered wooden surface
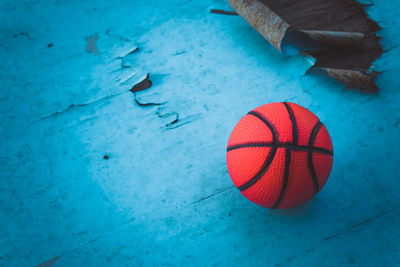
{"x": 163, "y": 196}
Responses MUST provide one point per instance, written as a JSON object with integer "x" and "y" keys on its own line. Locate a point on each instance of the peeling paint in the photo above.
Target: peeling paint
{"x": 143, "y": 85}
{"x": 91, "y": 46}
{"x": 337, "y": 34}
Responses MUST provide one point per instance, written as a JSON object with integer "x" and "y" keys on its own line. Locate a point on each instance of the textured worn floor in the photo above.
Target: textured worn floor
{"x": 163, "y": 196}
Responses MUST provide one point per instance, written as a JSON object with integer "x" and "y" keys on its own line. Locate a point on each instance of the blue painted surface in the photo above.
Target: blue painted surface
{"x": 164, "y": 196}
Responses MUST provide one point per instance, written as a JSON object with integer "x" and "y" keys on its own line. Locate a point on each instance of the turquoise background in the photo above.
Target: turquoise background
{"x": 164, "y": 196}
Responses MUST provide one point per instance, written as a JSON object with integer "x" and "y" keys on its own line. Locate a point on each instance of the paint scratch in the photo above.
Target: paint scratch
{"x": 349, "y": 229}
{"x": 49, "y": 263}
{"x": 223, "y": 12}
{"x": 361, "y": 223}
{"x": 216, "y": 193}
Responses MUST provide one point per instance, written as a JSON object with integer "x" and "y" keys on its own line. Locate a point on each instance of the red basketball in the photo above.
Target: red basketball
{"x": 279, "y": 155}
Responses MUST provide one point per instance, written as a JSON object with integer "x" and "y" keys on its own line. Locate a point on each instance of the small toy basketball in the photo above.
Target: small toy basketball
{"x": 279, "y": 155}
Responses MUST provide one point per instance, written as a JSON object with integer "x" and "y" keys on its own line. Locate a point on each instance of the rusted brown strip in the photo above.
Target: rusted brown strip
{"x": 264, "y": 20}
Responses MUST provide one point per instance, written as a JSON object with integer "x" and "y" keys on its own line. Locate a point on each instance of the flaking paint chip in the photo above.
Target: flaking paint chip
{"x": 91, "y": 46}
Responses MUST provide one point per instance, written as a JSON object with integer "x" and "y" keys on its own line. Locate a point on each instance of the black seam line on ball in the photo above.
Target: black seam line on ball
{"x": 288, "y": 154}
{"x": 311, "y": 141}
{"x": 288, "y": 158}
{"x": 295, "y": 131}
{"x": 271, "y": 153}
{"x": 291, "y": 146}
